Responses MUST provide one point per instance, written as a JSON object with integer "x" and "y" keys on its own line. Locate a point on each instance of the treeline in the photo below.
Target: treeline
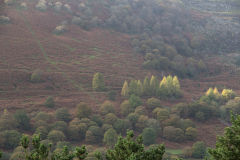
{"x": 166, "y": 88}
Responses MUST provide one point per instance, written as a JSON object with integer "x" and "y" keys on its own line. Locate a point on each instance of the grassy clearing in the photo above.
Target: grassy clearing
{"x": 174, "y": 151}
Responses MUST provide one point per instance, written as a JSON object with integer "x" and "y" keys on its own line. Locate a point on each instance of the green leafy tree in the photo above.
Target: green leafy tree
{"x": 130, "y": 149}
{"x": 125, "y": 89}
{"x": 135, "y": 101}
{"x": 83, "y": 110}
{"x": 133, "y": 87}
{"x": 56, "y": 136}
{"x": 199, "y": 150}
{"x": 9, "y": 139}
{"x": 139, "y": 88}
{"x": 22, "y": 119}
{"x": 149, "y": 136}
{"x": 153, "y": 85}
{"x": 107, "y": 107}
{"x": 62, "y": 114}
{"x": 125, "y": 108}
{"x": 110, "y": 137}
{"x": 146, "y": 87}
{"x": 98, "y": 82}
{"x": 227, "y": 146}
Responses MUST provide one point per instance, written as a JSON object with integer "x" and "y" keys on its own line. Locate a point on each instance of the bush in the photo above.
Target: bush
{"x": 153, "y": 103}
{"x": 49, "y": 102}
{"x": 9, "y": 2}
{"x": 83, "y": 110}
{"x": 36, "y": 77}
{"x": 161, "y": 114}
{"x": 98, "y": 119}
{"x": 43, "y": 116}
{"x": 105, "y": 127}
{"x": 185, "y": 123}
{"x": 60, "y": 29}
{"x": 198, "y": 150}
{"x": 94, "y": 135}
{"x": 9, "y": 139}
{"x": 141, "y": 123}
{"x": 173, "y": 134}
{"x": 110, "y": 137}
{"x": 58, "y": 6}
{"x": 7, "y": 121}
{"x": 56, "y": 136}
{"x": 107, "y": 107}
{"x": 110, "y": 118}
{"x": 135, "y": 101}
{"x": 22, "y": 119}
{"x": 62, "y": 114}
{"x": 187, "y": 152}
{"x": 191, "y": 133}
{"x": 200, "y": 116}
{"x": 126, "y": 108}
{"x": 77, "y": 131}
{"x": 149, "y": 136}
{"x": 41, "y": 5}
{"x": 4, "y": 20}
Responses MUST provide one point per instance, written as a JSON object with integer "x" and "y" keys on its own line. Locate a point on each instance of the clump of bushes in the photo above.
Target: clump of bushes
{"x": 4, "y": 19}
{"x": 41, "y": 5}
{"x": 50, "y": 103}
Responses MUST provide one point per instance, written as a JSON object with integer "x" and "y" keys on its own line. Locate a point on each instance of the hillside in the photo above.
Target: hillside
{"x": 68, "y": 59}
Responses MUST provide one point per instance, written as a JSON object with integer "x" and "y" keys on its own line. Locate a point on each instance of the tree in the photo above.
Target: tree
{"x": 9, "y": 139}
{"x": 146, "y": 86}
{"x": 153, "y": 85}
{"x": 40, "y": 151}
{"x": 227, "y": 146}
{"x": 228, "y": 94}
{"x": 135, "y": 101}
{"x": 153, "y": 103}
{"x": 110, "y": 137}
{"x": 83, "y": 110}
{"x": 131, "y": 149}
{"x": 126, "y": 108}
{"x": 149, "y": 136}
{"x": 199, "y": 150}
{"x": 191, "y": 133}
{"x": 133, "y": 87}
{"x": 125, "y": 90}
{"x": 49, "y": 102}
{"x": 107, "y": 107}
{"x": 56, "y": 136}
{"x": 176, "y": 86}
{"x": 173, "y": 134}
{"x": 22, "y": 119}
{"x": 62, "y": 114}
{"x": 94, "y": 135}
{"x": 98, "y": 82}
{"x": 139, "y": 88}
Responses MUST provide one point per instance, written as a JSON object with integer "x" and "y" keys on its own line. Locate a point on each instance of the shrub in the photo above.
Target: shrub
{"x": 141, "y": 122}
{"x": 77, "y": 131}
{"x": 228, "y": 94}
{"x": 191, "y": 133}
{"x": 76, "y": 20}
{"x": 22, "y": 119}
{"x": 58, "y": 6}
{"x": 155, "y": 124}
{"x": 36, "y": 76}
{"x": 112, "y": 95}
{"x": 62, "y": 144}
{"x": 98, "y": 82}
{"x": 107, "y": 107}
{"x": 17, "y": 156}
{"x": 162, "y": 114}
{"x": 62, "y": 114}
{"x": 185, "y": 123}
{"x": 173, "y": 134}
{"x": 110, "y": 118}
{"x": 41, "y": 5}
{"x": 42, "y": 131}
{"x": 135, "y": 101}
{"x": 153, "y": 103}
{"x": 83, "y": 110}
{"x": 4, "y": 20}
{"x": 149, "y": 136}
{"x": 9, "y": 2}
{"x": 7, "y": 121}
{"x": 110, "y": 137}
{"x": 198, "y": 150}
{"x": 49, "y": 102}
{"x": 94, "y": 135}
{"x": 126, "y": 108}
{"x": 9, "y": 139}
{"x": 60, "y": 29}
{"x": 56, "y": 136}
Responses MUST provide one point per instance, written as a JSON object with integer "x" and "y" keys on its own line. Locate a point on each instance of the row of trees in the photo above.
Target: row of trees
{"x": 168, "y": 87}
